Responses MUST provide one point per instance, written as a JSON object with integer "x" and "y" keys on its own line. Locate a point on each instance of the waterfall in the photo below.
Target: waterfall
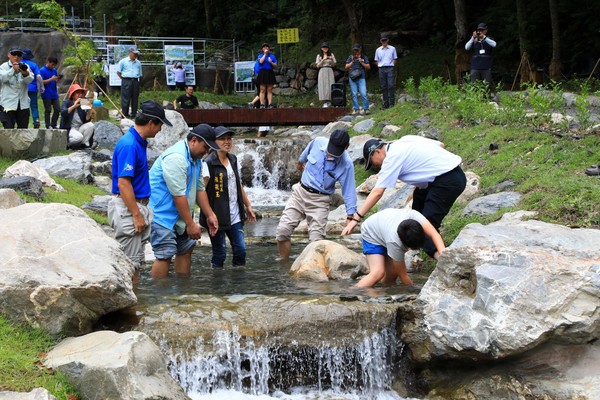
{"x": 235, "y": 363}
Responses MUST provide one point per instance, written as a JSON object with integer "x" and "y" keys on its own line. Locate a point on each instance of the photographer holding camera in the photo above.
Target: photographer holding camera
{"x": 51, "y": 77}
{"x": 15, "y": 76}
{"x": 481, "y": 48}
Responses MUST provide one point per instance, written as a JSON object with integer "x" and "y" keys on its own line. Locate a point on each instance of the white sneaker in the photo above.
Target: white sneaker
{"x": 325, "y": 105}
{"x": 354, "y": 112}
{"x": 362, "y": 112}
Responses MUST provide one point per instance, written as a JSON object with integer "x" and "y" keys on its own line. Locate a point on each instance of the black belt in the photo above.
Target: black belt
{"x": 387, "y": 66}
{"x": 129, "y": 78}
{"x": 311, "y": 190}
{"x": 143, "y": 201}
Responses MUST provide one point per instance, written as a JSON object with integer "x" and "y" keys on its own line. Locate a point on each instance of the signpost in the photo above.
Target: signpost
{"x": 285, "y": 36}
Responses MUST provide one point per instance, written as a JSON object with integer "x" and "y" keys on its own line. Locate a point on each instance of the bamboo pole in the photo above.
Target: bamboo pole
{"x": 593, "y": 70}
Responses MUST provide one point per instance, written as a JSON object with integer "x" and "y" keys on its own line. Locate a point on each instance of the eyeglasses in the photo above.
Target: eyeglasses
{"x": 16, "y": 54}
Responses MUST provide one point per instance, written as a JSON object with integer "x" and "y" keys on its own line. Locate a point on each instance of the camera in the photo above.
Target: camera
{"x": 22, "y": 66}
{"x": 60, "y": 76}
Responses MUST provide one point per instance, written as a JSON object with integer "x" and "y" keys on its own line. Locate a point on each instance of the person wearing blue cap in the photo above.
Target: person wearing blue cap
{"x": 128, "y": 211}
{"x": 481, "y": 47}
{"x": 15, "y": 76}
{"x": 177, "y": 186}
{"x": 323, "y": 163}
{"x": 33, "y": 87}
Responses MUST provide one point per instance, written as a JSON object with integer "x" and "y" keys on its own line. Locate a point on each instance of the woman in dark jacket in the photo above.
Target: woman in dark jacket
{"x": 76, "y": 117}
{"x": 228, "y": 200}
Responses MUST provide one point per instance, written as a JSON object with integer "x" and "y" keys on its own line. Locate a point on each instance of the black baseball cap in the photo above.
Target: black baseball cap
{"x": 152, "y": 109}
{"x": 356, "y": 46}
{"x": 482, "y": 25}
{"x": 206, "y": 133}
{"x": 369, "y": 148}
{"x": 383, "y": 36}
{"x": 338, "y": 142}
{"x": 221, "y": 130}
{"x": 16, "y": 49}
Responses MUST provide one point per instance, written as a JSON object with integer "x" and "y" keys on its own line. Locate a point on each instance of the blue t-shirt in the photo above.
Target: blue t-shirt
{"x": 266, "y": 64}
{"x": 33, "y": 87}
{"x": 51, "y": 90}
{"x": 130, "y": 160}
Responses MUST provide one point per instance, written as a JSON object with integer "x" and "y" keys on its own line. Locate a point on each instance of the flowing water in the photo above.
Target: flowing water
{"x": 236, "y": 368}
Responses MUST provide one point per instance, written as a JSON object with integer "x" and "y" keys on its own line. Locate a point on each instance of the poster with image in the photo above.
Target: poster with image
{"x": 183, "y": 54}
{"x": 114, "y": 54}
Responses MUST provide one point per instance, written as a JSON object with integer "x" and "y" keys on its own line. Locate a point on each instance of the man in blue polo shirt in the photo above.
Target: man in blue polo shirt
{"x": 129, "y": 69}
{"x": 323, "y": 162}
{"x": 128, "y": 212}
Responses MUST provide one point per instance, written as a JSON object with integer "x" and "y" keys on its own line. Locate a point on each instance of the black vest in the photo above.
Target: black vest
{"x": 216, "y": 190}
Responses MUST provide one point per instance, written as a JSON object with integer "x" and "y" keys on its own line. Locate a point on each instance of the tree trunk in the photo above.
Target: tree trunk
{"x": 524, "y": 66}
{"x": 208, "y": 19}
{"x": 555, "y": 63}
{"x": 462, "y": 57}
{"x": 354, "y": 22}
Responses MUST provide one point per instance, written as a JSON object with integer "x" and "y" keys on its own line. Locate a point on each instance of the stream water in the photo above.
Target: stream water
{"x": 238, "y": 369}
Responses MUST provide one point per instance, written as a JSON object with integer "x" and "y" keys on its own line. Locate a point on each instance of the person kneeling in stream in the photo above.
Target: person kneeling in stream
{"x": 387, "y": 236}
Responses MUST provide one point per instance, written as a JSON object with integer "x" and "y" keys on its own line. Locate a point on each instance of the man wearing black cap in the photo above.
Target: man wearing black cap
{"x": 386, "y": 57}
{"x": 323, "y": 162}
{"x": 129, "y": 69}
{"x": 128, "y": 212}
{"x": 417, "y": 161}
{"x": 15, "y": 76}
{"x": 177, "y": 186}
{"x": 481, "y": 48}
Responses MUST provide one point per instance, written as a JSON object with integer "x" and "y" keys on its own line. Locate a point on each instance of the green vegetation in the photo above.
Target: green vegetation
{"x": 21, "y": 354}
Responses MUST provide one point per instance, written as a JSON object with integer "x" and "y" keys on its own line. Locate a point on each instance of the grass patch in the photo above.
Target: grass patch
{"x": 22, "y": 351}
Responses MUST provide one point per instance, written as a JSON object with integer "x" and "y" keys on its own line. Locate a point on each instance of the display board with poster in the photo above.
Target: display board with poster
{"x": 114, "y": 54}
{"x": 243, "y": 72}
{"x": 183, "y": 54}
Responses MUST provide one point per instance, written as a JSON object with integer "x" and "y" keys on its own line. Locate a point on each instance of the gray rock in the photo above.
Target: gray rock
{"x": 107, "y": 134}
{"x": 421, "y": 123}
{"x": 324, "y": 260}
{"x": 505, "y": 288}
{"x": 29, "y": 143}
{"x": 488, "y": 205}
{"x": 501, "y": 187}
{"x": 364, "y": 125}
{"x": 25, "y": 184}
{"x": 75, "y": 166}
{"x": 310, "y": 83}
{"x": 116, "y": 366}
{"x": 60, "y": 271}
{"x": 399, "y": 197}
{"x": 9, "y": 199}
{"x": 35, "y": 394}
{"x": 99, "y": 204}
{"x": 431, "y": 133}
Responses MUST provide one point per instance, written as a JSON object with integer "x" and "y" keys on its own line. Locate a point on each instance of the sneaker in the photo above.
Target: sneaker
{"x": 325, "y": 105}
{"x": 270, "y": 106}
{"x": 354, "y": 112}
{"x": 36, "y": 124}
{"x": 362, "y": 112}
{"x": 262, "y": 106}
{"x": 367, "y": 112}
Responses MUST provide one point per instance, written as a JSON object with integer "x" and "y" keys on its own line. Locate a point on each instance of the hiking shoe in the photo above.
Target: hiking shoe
{"x": 593, "y": 170}
{"x": 367, "y": 112}
{"x": 362, "y": 112}
{"x": 354, "y": 112}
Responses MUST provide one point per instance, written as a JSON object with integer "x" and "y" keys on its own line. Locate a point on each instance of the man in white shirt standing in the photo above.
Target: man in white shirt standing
{"x": 15, "y": 76}
{"x": 386, "y": 57}
{"x": 423, "y": 163}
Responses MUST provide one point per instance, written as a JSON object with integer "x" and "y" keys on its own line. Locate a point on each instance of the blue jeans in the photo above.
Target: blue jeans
{"x": 355, "y": 88}
{"x": 33, "y": 105}
{"x": 238, "y": 246}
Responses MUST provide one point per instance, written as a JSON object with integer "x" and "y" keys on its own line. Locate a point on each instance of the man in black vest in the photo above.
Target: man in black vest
{"x": 481, "y": 48}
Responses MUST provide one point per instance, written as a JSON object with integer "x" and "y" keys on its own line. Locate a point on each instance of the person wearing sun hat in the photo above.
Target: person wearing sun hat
{"x": 325, "y": 62}
{"x": 15, "y": 76}
{"x": 227, "y": 199}
{"x": 424, "y": 163}
{"x": 323, "y": 163}
{"x": 177, "y": 186}
{"x": 76, "y": 118}
{"x": 33, "y": 87}
{"x": 128, "y": 211}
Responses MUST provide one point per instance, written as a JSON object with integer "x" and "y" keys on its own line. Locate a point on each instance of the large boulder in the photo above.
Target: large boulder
{"x": 323, "y": 260}
{"x": 109, "y": 365}
{"x": 75, "y": 166}
{"x": 25, "y": 184}
{"x": 26, "y": 168}
{"x": 60, "y": 271}
{"x": 505, "y": 288}
{"x": 9, "y": 198}
{"x": 107, "y": 134}
{"x": 35, "y": 394}
{"x": 29, "y": 143}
